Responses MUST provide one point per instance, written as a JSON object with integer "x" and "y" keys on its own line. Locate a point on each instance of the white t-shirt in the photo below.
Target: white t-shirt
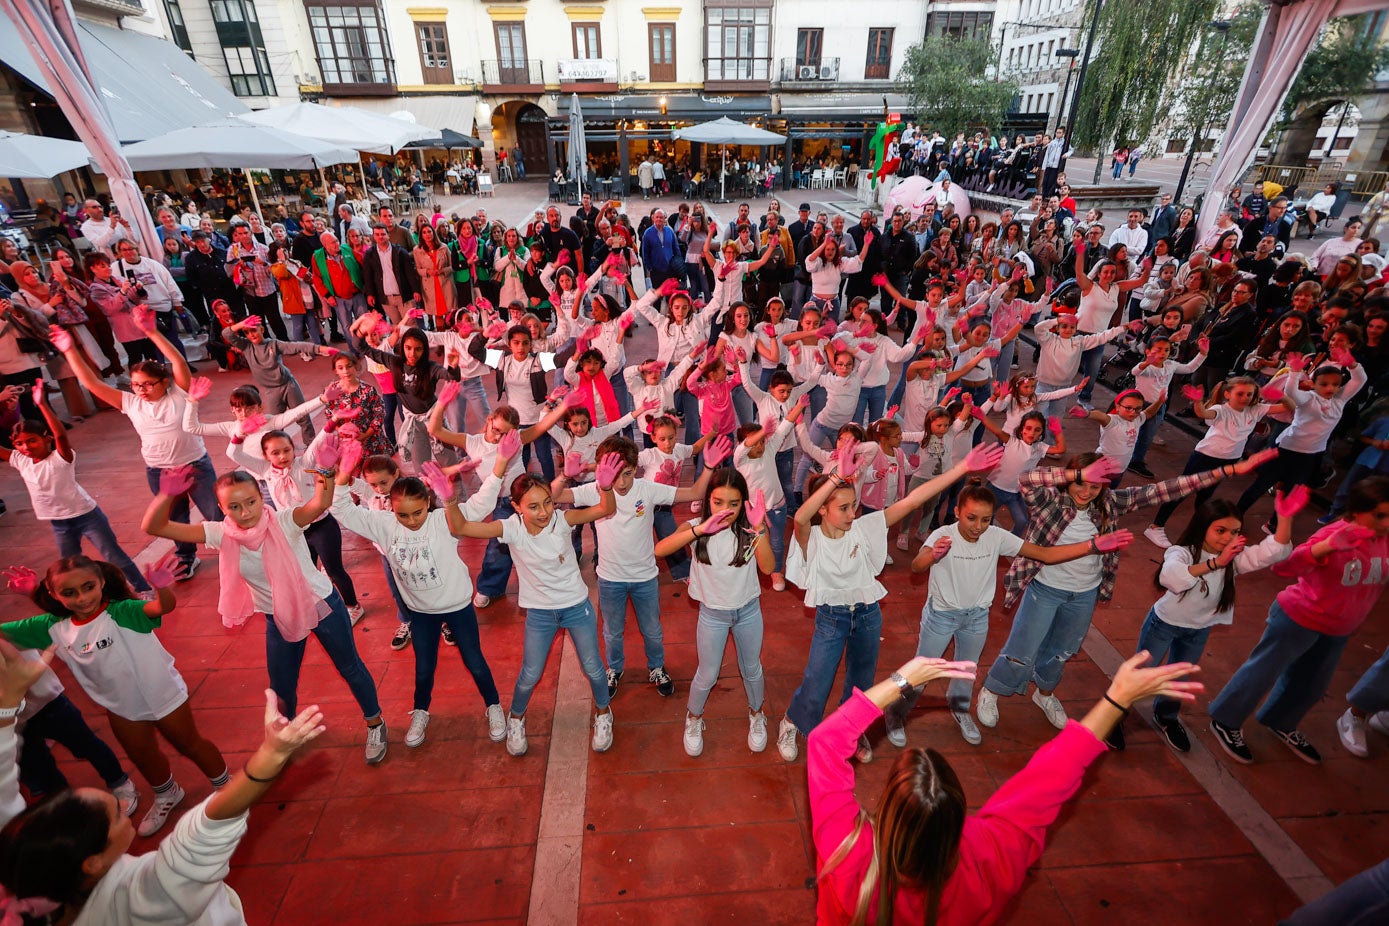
{"x": 1018, "y": 458}
{"x": 53, "y": 486}
{"x": 253, "y": 569}
{"x": 760, "y": 473}
{"x": 720, "y": 585}
{"x": 650, "y": 460}
{"x": 479, "y": 449}
{"x": 967, "y": 575}
{"x": 1119, "y": 438}
{"x": 627, "y": 536}
{"x": 919, "y": 397}
{"x": 1079, "y": 575}
{"x": 1228, "y": 431}
{"x": 1097, "y": 307}
{"x": 841, "y": 570}
{"x": 549, "y": 575}
{"x": 163, "y": 442}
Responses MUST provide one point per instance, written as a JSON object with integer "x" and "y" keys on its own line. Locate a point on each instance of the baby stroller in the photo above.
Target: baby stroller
{"x": 1117, "y": 371}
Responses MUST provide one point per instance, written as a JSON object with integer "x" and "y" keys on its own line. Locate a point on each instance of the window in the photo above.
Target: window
{"x": 808, "y": 45}
{"x": 511, "y": 53}
{"x": 435, "y": 64}
{"x": 662, "y": 41}
{"x": 353, "y": 48}
{"x": 176, "y": 27}
{"x": 243, "y": 47}
{"x": 587, "y": 43}
{"x": 961, "y": 25}
{"x": 879, "y": 54}
{"x": 738, "y": 41}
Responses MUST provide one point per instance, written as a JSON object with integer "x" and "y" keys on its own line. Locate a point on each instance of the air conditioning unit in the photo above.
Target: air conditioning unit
{"x": 829, "y": 71}
{"x": 806, "y": 72}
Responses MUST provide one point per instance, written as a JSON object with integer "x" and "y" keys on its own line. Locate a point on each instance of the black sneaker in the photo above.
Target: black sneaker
{"x": 1175, "y": 734}
{"x": 185, "y": 569}
{"x": 1141, "y": 469}
{"x": 664, "y": 686}
{"x": 402, "y": 636}
{"x": 1115, "y": 739}
{"x": 1231, "y": 739}
{"x": 614, "y": 676}
{"x": 448, "y": 636}
{"x": 1299, "y": 745}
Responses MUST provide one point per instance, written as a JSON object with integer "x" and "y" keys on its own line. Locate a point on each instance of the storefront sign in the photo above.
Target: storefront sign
{"x": 587, "y": 70}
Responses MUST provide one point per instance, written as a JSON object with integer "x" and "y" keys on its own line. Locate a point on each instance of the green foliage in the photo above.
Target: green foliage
{"x": 1206, "y": 95}
{"x": 1140, "y": 47}
{"x": 1340, "y": 66}
{"x": 945, "y": 78}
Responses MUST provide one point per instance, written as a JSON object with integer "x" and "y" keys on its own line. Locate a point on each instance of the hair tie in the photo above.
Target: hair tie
{"x": 13, "y": 910}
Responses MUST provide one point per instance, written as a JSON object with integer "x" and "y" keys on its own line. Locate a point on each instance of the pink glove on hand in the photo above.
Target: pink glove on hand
{"x": 447, "y": 393}
{"x": 756, "y": 509}
{"x": 199, "y": 388}
{"x": 21, "y": 580}
{"x": 608, "y": 469}
{"x": 437, "y": 480}
{"x": 715, "y": 522}
{"x": 176, "y": 480}
{"x": 509, "y": 445}
{"x": 351, "y": 456}
{"x": 983, "y": 457}
{"x": 1054, "y": 425}
{"x": 1194, "y": 393}
{"x": 333, "y": 392}
{"x": 1075, "y": 411}
{"x": 573, "y": 464}
{"x": 1350, "y": 536}
{"x": 252, "y": 423}
{"x": 1288, "y": 504}
{"x": 717, "y": 450}
{"x": 1114, "y": 540}
{"x": 1271, "y": 394}
{"x": 161, "y": 574}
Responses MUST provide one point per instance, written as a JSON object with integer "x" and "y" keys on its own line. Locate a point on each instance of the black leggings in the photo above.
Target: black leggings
{"x": 1291, "y": 468}
{"x": 324, "y": 537}
{"x": 1196, "y": 463}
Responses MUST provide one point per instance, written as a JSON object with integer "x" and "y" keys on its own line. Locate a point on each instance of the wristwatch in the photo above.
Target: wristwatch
{"x": 10, "y": 713}
{"x": 902, "y": 684}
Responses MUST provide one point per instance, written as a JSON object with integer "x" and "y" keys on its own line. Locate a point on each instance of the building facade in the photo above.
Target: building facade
{"x": 1029, "y": 33}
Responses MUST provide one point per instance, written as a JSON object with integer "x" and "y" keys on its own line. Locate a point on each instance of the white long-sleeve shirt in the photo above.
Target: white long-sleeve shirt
{"x": 825, "y": 277}
{"x": 768, "y": 407}
{"x": 1155, "y": 379}
{"x": 193, "y": 425}
{"x": 1060, "y": 359}
{"x": 1191, "y": 601}
{"x": 1315, "y": 417}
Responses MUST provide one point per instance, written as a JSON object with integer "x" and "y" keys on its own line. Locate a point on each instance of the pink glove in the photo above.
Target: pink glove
{"x": 1203, "y": 345}
{"x": 351, "y": 456}
{"x": 1114, "y": 540}
{"x": 175, "y": 481}
{"x": 1194, "y": 393}
{"x": 846, "y": 456}
{"x": 866, "y": 329}
{"x": 593, "y": 332}
{"x": 650, "y": 405}
{"x": 1296, "y": 362}
{"x": 891, "y": 412}
{"x": 869, "y": 348}
{"x": 1350, "y": 536}
{"x": 989, "y": 353}
{"x": 1054, "y": 425}
{"x": 983, "y": 457}
{"x": 1271, "y": 394}
{"x": 827, "y": 330}
{"x": 332, "y": 393}
{"x": 447, "y": 392}
{"x": 803, "y": 402}
{"x": 464, "y": 328}
{"x": 509, "y": 445}
{"x": 940, "y": 548}
{"x": 327, "y": 453}
{"x": 838, "y": 346}
{"x": 669, "y": 288}
{"x": 769, "y": 329}
{"x": 254, "y": 321}
{"x": 1287, "y": 505}
{"x": 976, "y": 412}
{"x": 494, "y": 330}
{"x": 716, "y": 522}
{"x": 199, "y": 388}
{"x": 144, "y": 318}
{"x": 626, "y": 319}
{"x": 437, "y": 480}
{"x": 1075, "y": 411}
{"x": 574, "y": 400}
{"x": 769, "y": 424}
{"x": 756, "y": 509}
{"x": 463, "y": 467}
{"x": 559, "y": 392}
{"x": 21, "y": 580}
{"x": 383, "y": 328}
{"x": 880, "y": 280}
{"x": 717, "y": 450}
{"x": 61, "y": 339}
{"x": 608, "y": 469}
{"x": 950, "y": 395}
{"x": 1342, "y": 357}
{"x": 252, "y": 423}
{"x": 415, "y": 313}
{"x": 161, "y": 574}
{"x": 573, "y": 464}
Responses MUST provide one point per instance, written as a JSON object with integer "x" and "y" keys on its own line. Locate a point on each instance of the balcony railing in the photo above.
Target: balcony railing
{"x": 795, "y": 70}
{"x": 520, "y": 74}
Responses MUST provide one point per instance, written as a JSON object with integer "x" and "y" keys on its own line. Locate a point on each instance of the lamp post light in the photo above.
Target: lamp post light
{"x": 1223, "y": 27}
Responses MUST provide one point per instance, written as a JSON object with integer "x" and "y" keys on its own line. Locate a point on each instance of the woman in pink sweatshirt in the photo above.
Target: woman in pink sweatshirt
{"x": 919, "y": 853}
{"x": 1341, "y": 571}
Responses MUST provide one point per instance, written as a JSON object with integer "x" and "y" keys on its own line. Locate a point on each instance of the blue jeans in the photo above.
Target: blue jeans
{"x": 202, "y": 494}
{"x": 711, "y": 637}
{"x": 402, "y": 612}
{"x": 68, "y": 532}
{"x": 646, "y": 601}
{"x": 1016, "y": 507}
{"x": 871, "y": 400}
{"x": 694, "y": 277}
{"x": 664, "y": 523}
{"x": 1090, "y": 363}
{"x": 542, "y": 626}
{"x": 283, "y": 660}
{"x": 424, "y": 639}
{"x": 348, "y": 309}
{"x": 1371, "y": 693}
{"x": 496, "y": 560}
{"x": 305, "y": 328}
{"x": 1003, "y": 363}
{"x": 1047, "y": 631}
{"x": 544, "y": 448}
{"x": 1292, "y": 660}
{"x": 1168, "y": 643}
{"x": 820, "y": 436}
{"x": 842, "y": 632}
{"x": 1357, "y": 472}
{"x": 1052, "y": 406}
{"x": 1147, "y": 433}
{"x": 899, "y": 390}
{"x": 785, "y": 472}
{"x": 470, "y": 389}
{"x": 969, "y": 628}
{"x": 776, "y": 533}
{"x": 60, "y": 720}
{"x": 390, "y": 404}
{"x": 1361, "y": 901}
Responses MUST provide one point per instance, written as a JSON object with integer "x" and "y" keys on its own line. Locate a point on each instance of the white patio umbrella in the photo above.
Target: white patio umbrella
{"x": 347, "y": 126}
{"x": 578, "y": 143}
{"x": 726, "y": 132}
{"x": 33, "y": 157}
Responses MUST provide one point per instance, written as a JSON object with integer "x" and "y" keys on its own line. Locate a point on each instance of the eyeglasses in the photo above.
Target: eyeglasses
{"x": 145, "y": 385}
{"x": 1132, "y": 408}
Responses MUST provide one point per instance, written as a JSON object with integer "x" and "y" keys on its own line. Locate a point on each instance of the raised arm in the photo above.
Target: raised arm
{"x": 173, "y": 483}
{"x": 63, "y": 341}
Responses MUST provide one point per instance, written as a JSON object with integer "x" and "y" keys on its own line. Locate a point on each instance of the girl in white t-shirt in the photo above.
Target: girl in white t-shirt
{"x": 963, "y": 559}
{"x": 107, "y": 639}
{"x": 420, "y": 545}
{"x": 1120, "y": 427}
{"x": 837, "y": 557}
{"x": 758, "y": 467}
{"x": 44, "y": 458}
{"x": 265, "y": 566}
{"x": 1018, "y": 396}
{"x": 1022, "y": 451}
{"x": 553, "y": 592}
{"x": 245, "y": 403}
{"x": 723, "y": 579}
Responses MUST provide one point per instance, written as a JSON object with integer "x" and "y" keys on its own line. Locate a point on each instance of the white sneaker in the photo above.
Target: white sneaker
{"x": 757, "y": 731}
{"x": 986, "y": 709}
{"x": 419, "y": 722}
{"x": 902, "y": 541}
{"x": 496, "y": 723}
{"x": 516, "y": 736}
{"x": 786, "y": 740}
{"x": 887, "y": 560}
{"x": 694, "y": 735}
{"x": 896, "y": 732}
{"x": 127, "y": 797}
{"x": 153, "y": 821}
{"x": 1379, "y": 722}
{"x": 1352, "y": 732}
{"x": 864, "y": 752}
{"x": 356, "y": 613}
{"x": 968, "y": 729}
{"x": 1157, "y": 537}
{"x": 1051, "y": 706}
{"x": 778, "y": 582}
{"x": 480, "y": 600}
{"x": 603, "y": 731}
{"x": 376, "y": 743}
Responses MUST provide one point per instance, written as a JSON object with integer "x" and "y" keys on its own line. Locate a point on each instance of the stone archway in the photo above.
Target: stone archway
{"x": 1298, "y": 140}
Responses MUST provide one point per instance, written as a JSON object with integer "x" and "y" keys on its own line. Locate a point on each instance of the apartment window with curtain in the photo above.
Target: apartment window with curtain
{"x": 177, "y": 29}
{"x": 511, "y": 53}
{"x": 879, "y": 55}
{"x": 808, "y": 45}
{"x": 353, "y": 48}
{"x": 662, "y": 40}
{"x": 243, "y": 47}
{"x": 587, "y": 43}
{"x": 738, "y": 40}
{"x": 960, "y": 25}
{"x": 435, "y": 62}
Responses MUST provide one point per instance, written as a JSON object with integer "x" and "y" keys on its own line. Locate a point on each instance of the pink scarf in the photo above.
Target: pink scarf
{"x": 296, "y": 610}
{"x": 602, "y": 388}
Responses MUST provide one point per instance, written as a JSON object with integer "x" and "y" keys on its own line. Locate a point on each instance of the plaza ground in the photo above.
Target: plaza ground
{"x": 457, "y": 831}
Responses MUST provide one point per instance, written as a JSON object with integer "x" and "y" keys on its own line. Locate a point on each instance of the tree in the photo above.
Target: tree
{"x": 1205, "y": 97}
{"x": 945, "y": 78}
{"x": 1339, "y": 67}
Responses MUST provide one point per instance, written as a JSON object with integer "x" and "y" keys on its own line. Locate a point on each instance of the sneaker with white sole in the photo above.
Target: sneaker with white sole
{"x": 664, "y": 686}
{"x": 864, "y": 752}
{"x": 614, "y": 676}
{"x": 1051, "y": 706}
{"x": 376, "y": 743}
{"x": 902, "y": 542}
{"x": 401, "y": 639}
{"x": 778, "y": 582}
{"x": 480, "y": 600}
{"x": 603, "y": 731}
{"x": 1231, "y": 740}
{"x": 419, "y": 722}
{"x": 986, "y": 709}
{"x": 355, "y": 613}
{"x": 896, "y": 731}
{"x": 1352, "y": 732}
{"x": 968, "y": 729}
{"x": 1379, "y": 722}
{"x": 516, "y": 736}
{"x": 496, "y": 723}
{"x": 786, "y": 740}
{"x": 1299, "y": 745}
{"x": 1157, "y": 536}
{"x": 694, "y": 735}
{"x": 153, "y": 821}
{"x": 757, "y": 732}
{"x": 182, "y": 573}
{"x": 127, "y": 797}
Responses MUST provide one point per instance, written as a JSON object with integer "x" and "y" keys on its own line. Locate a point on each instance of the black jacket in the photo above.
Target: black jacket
{"x": 1230, "y": 334}
{"x": 404, "y": 268}
{"x": 208, "y": 273}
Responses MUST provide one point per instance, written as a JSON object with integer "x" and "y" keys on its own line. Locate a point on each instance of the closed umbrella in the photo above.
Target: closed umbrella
{"x": 578, "y": 144}
{"x": 33, "y": 157}
{"x": 725, "y": 132}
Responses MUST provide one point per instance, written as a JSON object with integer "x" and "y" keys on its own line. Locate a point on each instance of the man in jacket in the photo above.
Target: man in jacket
{"x": 1275, "y": 222}
{"x": 248, "y": 265}
{"x": 389, "y": 275}
{"x": 660, "y": 253}
{"x": 777, "y": 276}
{"x": 206, "y": 268}
{"x": 899, "y": 254}
{"x": 1164, "y": 219}
{"x": 861, "y": 283}
{"x": 398, "y": 235}
{"x": 337, "y": 279}
{"x": 347, "y": 218}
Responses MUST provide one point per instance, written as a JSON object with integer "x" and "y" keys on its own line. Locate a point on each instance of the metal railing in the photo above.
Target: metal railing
{"x": 1308, "y": 179}
{"x": 530, "y": 72}
{"x": 795, "y": 70}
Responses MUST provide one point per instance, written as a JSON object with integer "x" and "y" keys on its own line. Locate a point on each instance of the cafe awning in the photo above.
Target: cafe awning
{"x": 609, "y": 107}
{"x": 830, "y": 106}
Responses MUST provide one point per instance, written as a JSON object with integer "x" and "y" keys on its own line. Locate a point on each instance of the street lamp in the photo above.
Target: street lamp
{"x": 1071, "y": 53}
{"x": 1223, "y": 27}
{"x": 1080, "y": 79}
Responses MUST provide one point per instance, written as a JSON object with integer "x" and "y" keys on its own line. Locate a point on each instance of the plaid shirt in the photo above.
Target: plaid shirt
{"x": 252, "y": 276}
{"x": 1053, "y": 509}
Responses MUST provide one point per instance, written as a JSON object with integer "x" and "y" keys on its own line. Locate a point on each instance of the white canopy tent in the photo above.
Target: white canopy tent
{"x": 725, "y": 132}
{"x": 36, "y": 157}
{"x": 1286, "y": 34}
{"x": 346, "y": 126}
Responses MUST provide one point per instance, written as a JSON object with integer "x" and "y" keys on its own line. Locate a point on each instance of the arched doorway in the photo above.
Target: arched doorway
{"x": 530, "y": 137}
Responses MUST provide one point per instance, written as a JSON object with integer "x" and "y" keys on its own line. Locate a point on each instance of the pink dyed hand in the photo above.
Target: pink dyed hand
{"x": 1287, "y": 505}
{"x": 252, "y": 423}
{"x": 669, "y": 288}
{"x": 199, "y": 388}
{"x": 1101, "y": 471}
{"x": 573, "y": 464}
{"x": 1203, "y": 345}
{"x": 161, "y": 574}
{"x": 1350, "y": 536}
{"x": 803, "y": 402}
{"x": 769, "y": 424}
{"x": 447, "y": 393}
{"x": 1271, "y": 394}
{"x": 1054, "y": 425}
{"x": 826, "y": 330}
{"x": 415, "y": 313}
{"x": 61, "y": 339}
{"x": 21, "y": 580}
{"x": 593, "y": 333}
{"x": 769, "y": 330}
{"x": 869, "y": 348}
{"x": 650, "y": 405}
{"x": 253, "y": 321}
{"x": 332, "y": 393}
{"x": 717, "y": 450}
{"x": 558, "y": 393}
{"x": 880, "y": 280}
{"x": 756, "y": 509}
{"x": 495, "y": 330}
{"x": 574, "y": 400}
{"x": 940, "y": 548}
{"x": 382, "y": 329}
{"x": 866, "y": 329}
{"x": 351, "y": 457}
{"x": 989, "y": 353}
{"x": 464, "y": 328}
{"x": 951, "y": 395}
{"x": 716, "y": 522}
{"x": 509, "y": 445}
{"x": 1194, "y": 393}
{"x": 327, "y": 454}
{"x": 1114, "y": 540}
{"x": 608, "y": 469}
{"x": 891, "y": 411}
{"x": 1296, "y": 362}
{"x": 626, "y": 320}
{"x": 1342, "y": 357}
{"x": 175, "y": 481}
{"x": 846, "y": 458}
{"x": 976, "y": 413}
{"x": 466, "y": 466}
{"x": 437, "y": 480}
{"x": 983, "y": 457}
{"x": 1075, "y": 411}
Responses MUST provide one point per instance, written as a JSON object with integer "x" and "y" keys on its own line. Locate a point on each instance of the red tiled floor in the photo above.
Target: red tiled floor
{"x": 1241, "y": 889}
{"x": 1142, "y": 829}
{"x": 434, "y": 821}
{"x": 769, "y": 907}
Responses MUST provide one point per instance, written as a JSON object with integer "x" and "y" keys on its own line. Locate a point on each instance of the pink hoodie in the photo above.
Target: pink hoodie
{"x": 1333, "y": 596}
